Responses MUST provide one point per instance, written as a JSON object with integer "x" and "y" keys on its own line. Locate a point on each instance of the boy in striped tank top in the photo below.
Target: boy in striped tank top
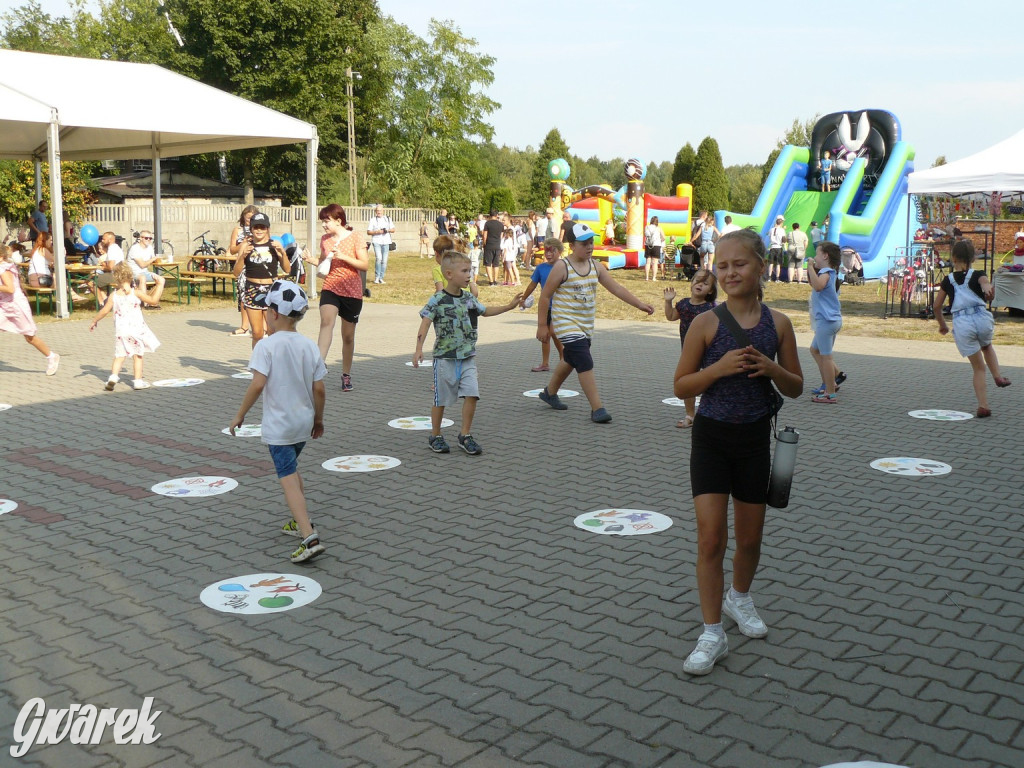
{"x": 571, "y": 289}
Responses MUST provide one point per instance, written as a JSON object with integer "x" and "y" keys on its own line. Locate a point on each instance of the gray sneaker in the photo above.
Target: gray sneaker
{"x": 438, "y": 444}
{"x": 552, "y": 400}
{"x": 600, "y": 416}
{"x": 745, "y": 615}
{"x": 710, "y": 648}
{"x": 469, "y": 445}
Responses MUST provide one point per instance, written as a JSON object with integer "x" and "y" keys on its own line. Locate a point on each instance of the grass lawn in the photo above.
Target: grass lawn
{"x": 408, "y": 282}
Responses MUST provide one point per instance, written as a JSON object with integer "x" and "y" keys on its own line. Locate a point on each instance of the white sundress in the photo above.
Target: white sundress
{"x": 131, "y": 334}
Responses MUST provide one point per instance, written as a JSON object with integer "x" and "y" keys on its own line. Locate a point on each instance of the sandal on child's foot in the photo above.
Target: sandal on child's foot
{"x": 1002, "y": 381}
{"x": 831, "y": 399}
{"x": 539, "y": 368}
{"x": 983, "y": 413}
{"x": 685, "y": 423}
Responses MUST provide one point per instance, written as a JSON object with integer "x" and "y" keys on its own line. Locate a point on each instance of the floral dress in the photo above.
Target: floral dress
{"x": 131, "y": 334}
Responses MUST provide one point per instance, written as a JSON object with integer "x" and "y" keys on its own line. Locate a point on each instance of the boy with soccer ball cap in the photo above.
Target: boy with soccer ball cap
{"x": 288, "y": 371}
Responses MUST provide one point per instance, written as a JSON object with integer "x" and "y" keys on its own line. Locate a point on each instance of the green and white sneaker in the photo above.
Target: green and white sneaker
{"x": 291, "y": 528}
{"x": 308, "y": 549}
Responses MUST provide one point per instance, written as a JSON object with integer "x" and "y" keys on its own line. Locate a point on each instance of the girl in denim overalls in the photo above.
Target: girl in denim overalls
{"x": 972, "y": 322}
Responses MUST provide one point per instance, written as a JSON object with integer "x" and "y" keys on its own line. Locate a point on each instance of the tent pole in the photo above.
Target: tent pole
{"x": 39, "y": 180}
{"x": 158, "y": 228}
{"x": 57, "y": 214}
{"x": 312, "y": 251}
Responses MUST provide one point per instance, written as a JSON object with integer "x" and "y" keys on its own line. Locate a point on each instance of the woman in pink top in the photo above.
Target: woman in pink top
{"x": 342, "y": 291}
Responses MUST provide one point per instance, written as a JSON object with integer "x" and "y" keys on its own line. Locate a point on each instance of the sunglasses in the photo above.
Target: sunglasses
{"x": 145, "y": 238}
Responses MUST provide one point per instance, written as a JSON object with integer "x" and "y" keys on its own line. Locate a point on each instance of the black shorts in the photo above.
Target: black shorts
{"x": 778, "y": 256}
{"x": 577, "y": 354}
{"x": 348, "y": 308}
{"x": 492, "y": 258}
{"x": 734, "y": 459}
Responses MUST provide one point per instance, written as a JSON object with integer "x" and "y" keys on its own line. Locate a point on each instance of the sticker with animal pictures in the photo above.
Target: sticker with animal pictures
{"x": 361, "y": 463}
{"x": 937, "y": 414}
{"x": 195, "y": 486}
{"x": 416, "y": 422}
{"x": 428, "y": 364}
{"x": 911, "y": 467}
{"x": 260, "y": 593}
{"x": 623, "y": 522}
{"x": 178, "y": 382}
{"x": 242, "y": 375}
{"x": 246, "y": 430}
{"x": 678, "y": 401}
{"x": 7, "y": 505}
{"x": 561, "y": 392}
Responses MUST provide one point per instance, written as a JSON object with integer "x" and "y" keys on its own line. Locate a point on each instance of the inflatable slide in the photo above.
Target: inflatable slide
{"x": 867, "y": 206}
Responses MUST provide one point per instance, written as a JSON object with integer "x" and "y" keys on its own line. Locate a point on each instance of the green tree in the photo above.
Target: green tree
{"x": 682, "y": 169}
{"x": 710, "y": 184}
{"x": 940, "y": 160}
{"x": 769, "y": 164}
{"x": 744, "y": 186}
{"x": 29, "y": 28}
{"x": 799, "y": 133}
{"x": 17, "y": 189}
{"x": 552, "y": 148}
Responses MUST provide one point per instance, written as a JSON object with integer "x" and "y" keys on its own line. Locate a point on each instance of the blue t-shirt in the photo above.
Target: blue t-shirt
{"x": 39, "y": 220}
{"x": 826, "y": 301}
{"x": 826, "y": 164}
{"x": 540, "y": 273}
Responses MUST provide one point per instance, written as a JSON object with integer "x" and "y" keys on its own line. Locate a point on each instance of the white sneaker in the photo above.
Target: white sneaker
{"x": 744, "y": 613}
{"x": 141, "y": 384}
{"x": 111, "y": 383}
{"x": 52, "y": 363}
{"x": 710, "y": 648}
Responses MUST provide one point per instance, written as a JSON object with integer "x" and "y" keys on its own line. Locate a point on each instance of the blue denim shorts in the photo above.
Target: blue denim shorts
{"x": 286, "y": 458}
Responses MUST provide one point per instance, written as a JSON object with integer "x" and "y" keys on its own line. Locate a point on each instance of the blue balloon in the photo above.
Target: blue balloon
{"x": 287, "y": 239}
{"x": 90, "y": 235}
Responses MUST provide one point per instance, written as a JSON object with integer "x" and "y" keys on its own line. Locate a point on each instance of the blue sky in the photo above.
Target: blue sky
{"x": 643, "y": 77}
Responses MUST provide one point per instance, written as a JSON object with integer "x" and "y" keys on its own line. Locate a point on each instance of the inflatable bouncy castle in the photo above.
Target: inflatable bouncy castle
{"x": 864, "y": 197}
{"x": 596, "y": 205}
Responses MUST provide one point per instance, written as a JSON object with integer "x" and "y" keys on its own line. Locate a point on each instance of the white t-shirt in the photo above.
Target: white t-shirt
{"x": 37, "y": 265}
{"x": 114, "y": 254}
{"x": 509, "y": 249}
{"x": 654, "y": 234}
{"x": 777, "y": 236}
{"x": 291, "y": 363}
{"x": 382, "y": 222}
{"x": 137, "y": 252}
{"x": 542, "y": 227}
{"x": 727, "y": 228}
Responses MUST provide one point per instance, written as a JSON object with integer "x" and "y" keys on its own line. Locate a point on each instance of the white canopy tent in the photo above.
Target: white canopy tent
{"x": 1000, "y": 168}
{"x": 52, "y": 111}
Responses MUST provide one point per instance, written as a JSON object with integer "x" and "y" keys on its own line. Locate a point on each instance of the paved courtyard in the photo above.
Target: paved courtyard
{"x": 464, "y": 620}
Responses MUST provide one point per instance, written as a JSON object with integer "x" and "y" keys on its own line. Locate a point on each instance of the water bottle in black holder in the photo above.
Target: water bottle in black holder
{"x": 783, "y": 466}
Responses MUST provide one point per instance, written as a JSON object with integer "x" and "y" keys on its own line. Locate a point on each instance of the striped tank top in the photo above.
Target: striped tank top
{"x": 574, "y": 303}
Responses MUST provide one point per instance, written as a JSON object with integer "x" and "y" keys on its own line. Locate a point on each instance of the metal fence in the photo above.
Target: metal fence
{"x": 184, "y": 223}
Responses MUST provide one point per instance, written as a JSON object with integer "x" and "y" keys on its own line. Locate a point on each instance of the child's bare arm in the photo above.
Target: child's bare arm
{"x": 104, "y": 311}
{"x": 527, "y": 292}
{"x": 492, "y": 310}
{"x": 986, "y": 288}
{"x": 556, "y": 277}
{"x": 252, "y": 394}
{"x": 421, "y": 334}
{"x": 940, "y": 300}
{"x": 619, "y": 291}
{"x": 319, "y": 399}
{"x": 670, "y": 309}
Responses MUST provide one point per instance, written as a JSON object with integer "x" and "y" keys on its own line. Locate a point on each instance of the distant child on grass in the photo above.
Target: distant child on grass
{"x": 731, "y": 436}
{"x": 552, "y": 253}
{"x": 972, "y": 322}
{"x": 441, "y": 245}
{"x": 703, "y": 291}
{"x": 288, "y": 371}
{"x": 454, "y": 312}
{"x": 131, "y": 334}
{"x": 571, "y": 290}
{"x": 15, "y": 311}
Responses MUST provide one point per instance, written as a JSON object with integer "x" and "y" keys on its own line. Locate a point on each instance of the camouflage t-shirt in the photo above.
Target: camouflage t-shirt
{"x": 454, "y": 319}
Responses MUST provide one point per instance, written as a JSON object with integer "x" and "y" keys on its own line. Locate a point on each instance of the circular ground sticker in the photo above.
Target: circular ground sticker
{"x": 937, "y": 414}
{"x": 910, "y": 467}
{"x": 561, "y": 392}
{"x": 363, "y": 463}
{"x": 424, "y": 364}
{"x": 195, "y": 486}
{"x": 416, "y": 422}
{"x": 260, "y": 593}
{"x": 624, "y": 522}
{"x": 5, "y": 406}
{"x": 177, "y": 382}
{"x": 242, "y": 375}
{"x": 6, "y": 505}
{"x": 679, "y": 401}
{"x": 246, "y": 430}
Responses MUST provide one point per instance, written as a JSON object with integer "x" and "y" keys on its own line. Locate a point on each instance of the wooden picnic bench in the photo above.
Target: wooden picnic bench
{"x": 213, "y": 277}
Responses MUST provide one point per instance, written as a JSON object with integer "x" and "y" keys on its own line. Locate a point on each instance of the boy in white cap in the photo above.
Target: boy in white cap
{"x": 288, "y": 371}
{"x": 571, "y": 291}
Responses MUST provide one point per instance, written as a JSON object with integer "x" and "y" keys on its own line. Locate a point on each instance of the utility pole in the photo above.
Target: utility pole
{"x": 352, "y": 191}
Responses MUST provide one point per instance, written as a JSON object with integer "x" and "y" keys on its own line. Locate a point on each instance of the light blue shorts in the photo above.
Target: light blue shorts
{"x": 973, "y": 331}
{"x": 825, "y": 333}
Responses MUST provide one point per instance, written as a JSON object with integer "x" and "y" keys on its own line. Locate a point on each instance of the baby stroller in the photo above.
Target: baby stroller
{"x": 689, "y": 262}
{"x": 851, "y": 266}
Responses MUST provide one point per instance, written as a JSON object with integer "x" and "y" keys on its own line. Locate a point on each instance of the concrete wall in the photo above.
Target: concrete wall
{"x": 184, "y": 221}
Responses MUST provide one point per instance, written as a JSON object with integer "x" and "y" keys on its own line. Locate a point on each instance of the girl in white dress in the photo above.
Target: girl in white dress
{"x": 131, "y": 334}
{"x": 15, "y": 312}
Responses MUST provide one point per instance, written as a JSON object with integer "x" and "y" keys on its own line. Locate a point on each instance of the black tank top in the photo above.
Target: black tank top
{"x": 261, "y": 263}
